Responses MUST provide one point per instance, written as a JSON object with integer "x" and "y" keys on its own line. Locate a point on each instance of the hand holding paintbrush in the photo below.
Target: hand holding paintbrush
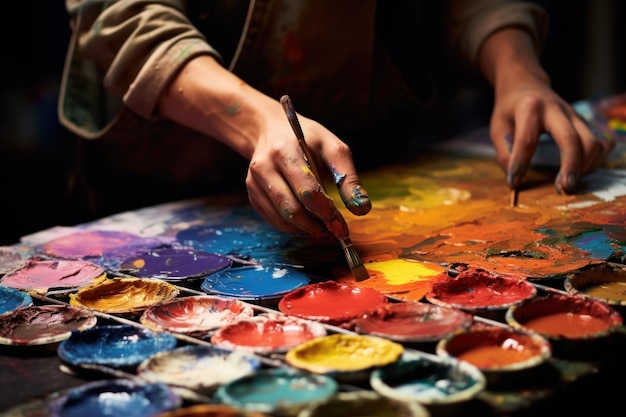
{"x": 352, "y": 257}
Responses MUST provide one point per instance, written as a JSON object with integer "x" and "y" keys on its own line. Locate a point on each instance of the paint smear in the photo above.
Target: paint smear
{"x": 43, "y": 275}
{"x": 331, "y": 302}
{"x": 87, "y": 244}
{"x": 267, "y": 333}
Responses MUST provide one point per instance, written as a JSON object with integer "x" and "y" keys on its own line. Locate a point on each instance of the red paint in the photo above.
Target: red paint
{"x": 568, "y": 324}
{"x": 331, "y": 302}
{"x": 477, "y": 288}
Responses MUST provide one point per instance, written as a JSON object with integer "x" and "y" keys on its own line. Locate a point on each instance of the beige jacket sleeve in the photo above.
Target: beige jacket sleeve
{"x": 132, "y": 48}
{"x": 471, "y": 22}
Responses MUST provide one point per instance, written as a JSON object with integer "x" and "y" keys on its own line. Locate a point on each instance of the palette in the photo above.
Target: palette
{"x": 255, "y": 283}
{"x": 37, "y": 325}
{"x": 267, "y": 333}
{"x": 173, "y": 264}
{"x": 195, "y": 315}
{"x": 331, "y": 302}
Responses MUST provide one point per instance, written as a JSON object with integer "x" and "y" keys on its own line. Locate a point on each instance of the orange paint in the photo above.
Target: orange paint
{"x": 489, "y": 356}
{"x": 568, "y": 324}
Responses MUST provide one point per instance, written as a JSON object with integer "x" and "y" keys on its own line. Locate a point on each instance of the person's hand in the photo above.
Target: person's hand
{"x": 206, "y": 97}
{"x": 526, "y": 106}
{"x": 285, "y": 192}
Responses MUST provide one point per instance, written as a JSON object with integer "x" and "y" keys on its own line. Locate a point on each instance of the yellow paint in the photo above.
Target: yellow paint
{"x": 139, "y": 263}
{"x": 344, "y": 353}
{"x": 401, "y": 271}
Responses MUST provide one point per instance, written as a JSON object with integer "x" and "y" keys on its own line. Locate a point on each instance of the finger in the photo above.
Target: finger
{"x": 352, "y": 192}
{"x": 528, "y": 127}
{"x": 560, "y": 124}
{"x": 502, "y": 140}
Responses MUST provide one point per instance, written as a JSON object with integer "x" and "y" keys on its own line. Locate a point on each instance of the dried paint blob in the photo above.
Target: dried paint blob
{"x": 565, "y": 317}
{"x": 429, "y": 380}
{"x": 12, "y": 298}
{"x": 604, "y": 282}
{"x": 45, "y": 324}
{"x": 344, "y": 353}
{"x": 261, "y": 282}
{"x": 478, "y": 291}
{"x": 198, "y": 367}
{"x": 90, "y": 244}
{"x": 412, "y": 322}
{"x": 195, "y": 315}
{"x": 267, "y": 333}
{"x": 116, "y": 346}
{"x": 12, "y": 258}
{"x": 44, "y": 275}
{"x": 124, "y": 295}
{"x": 117, "y": 397}
{"x": 280, "y": 391}
{"x": 363, "y": 403}
{"x": 498, "y": 349}
{"x": 331, "y": 302}
{"x": 174, "y": 264}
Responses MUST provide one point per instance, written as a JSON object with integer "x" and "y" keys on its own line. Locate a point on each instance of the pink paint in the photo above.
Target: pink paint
{"x": 476, "y": 289}
{"x": 412, "y": 322}
{"x": 331, "y": 302}
{"x": 47, "y": 274}
{"x": 267, "y": 333}
{"x": 89, "y": 244}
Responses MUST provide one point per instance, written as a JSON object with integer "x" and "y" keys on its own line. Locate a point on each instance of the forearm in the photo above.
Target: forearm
{"x": 509, "y": 54}
{"x": 208, "y": 98}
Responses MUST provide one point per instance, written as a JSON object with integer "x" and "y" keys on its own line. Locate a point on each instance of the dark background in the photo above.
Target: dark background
{"x": 585, "y": 56}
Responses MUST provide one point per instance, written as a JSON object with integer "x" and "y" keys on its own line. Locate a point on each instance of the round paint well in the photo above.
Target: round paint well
{"x": 345, "y": 356}
{"x": 604, "y": 282}
{"x": 197, "y": 367}
{"x": 174, "y": 264}
{"x": 113, "y": 346}
{"x": 280, "y": 391}
{"x": 496, "y": 350}
{"x": 364, "y": 403}
{"x": 412, "y": 322}
{"x": 195, "y": 315}
{"x": 480, "y": 292}
{"x": 124, "y": 295}
{"x": 267, "y": 333}
{"x": 331, "y": 302}
{"x": 41, "y": 325}
{"x": 117, "y": 397}
{"x": 89, "y": 244}
{"x": 12, "y": 298}
{"x": 574, "y": 325}
{"x": 262, "y": 282}
{"x": 45, "y": 275}
{"x": 431, "y": 381}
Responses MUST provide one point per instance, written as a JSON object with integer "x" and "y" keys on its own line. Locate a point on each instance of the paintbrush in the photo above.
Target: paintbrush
{"x": 514, "y": 194}
{"x": 352, "y": 257}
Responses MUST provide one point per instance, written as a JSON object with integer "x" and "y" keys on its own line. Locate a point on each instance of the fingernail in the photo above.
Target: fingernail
{"x": 516, "y": 173}
{"x": 566, "y": 184}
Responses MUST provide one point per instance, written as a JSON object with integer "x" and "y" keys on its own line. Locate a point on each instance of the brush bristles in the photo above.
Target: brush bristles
{"x": 354, "y": 260}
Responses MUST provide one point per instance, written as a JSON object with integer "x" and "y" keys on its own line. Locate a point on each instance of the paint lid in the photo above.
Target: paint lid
{"x": 331, "y": 302}
{"x": 195, "y": 315}
{"x": 45, "y": 324}
{"x": 12, "y": 298}
{"x": 117, "y": 397}
{"x": 124, "y": 295}
{"x": 496, "y": 349}
{"x": 113, "y": 345}
{"x": 197, "y": 367}
{"x": 259, "y": 282}
{"x": 344, "y": 354}
{"x": 267, "y": 333}
{"x": 173, "y": 264}
{"x": 54, "y": 275}
{"x": 280, "y": 391}
{"x": 363, "y": 403}
{"x": 429, "y": 380}
{"x": 412, "y": 322}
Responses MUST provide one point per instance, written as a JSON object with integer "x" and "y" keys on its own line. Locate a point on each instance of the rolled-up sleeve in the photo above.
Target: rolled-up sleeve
{"x": 138, "y": 45}
{"x": 472, "y": 22}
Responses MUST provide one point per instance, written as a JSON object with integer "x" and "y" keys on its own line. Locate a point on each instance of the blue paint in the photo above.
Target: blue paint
{"x": 262, "y": 282}
{"x": 114, "y": 346}
{"x": 596, "y": 242}
{"x": 277, "y": 390}
{"x": 12, "y": 298}
{"x": 118, "y": 398}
